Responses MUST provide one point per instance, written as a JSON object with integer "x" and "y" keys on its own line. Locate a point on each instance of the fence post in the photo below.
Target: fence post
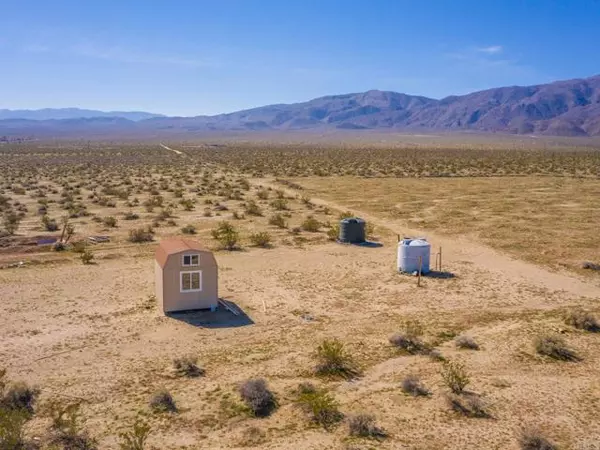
{"x": 440, "y": 258}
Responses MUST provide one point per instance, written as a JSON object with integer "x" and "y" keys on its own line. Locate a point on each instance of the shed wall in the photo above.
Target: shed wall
{"x": 174, "y": 299}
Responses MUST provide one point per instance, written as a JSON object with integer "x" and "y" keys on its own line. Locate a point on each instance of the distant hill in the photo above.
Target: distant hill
{"x": 563, "y": 108}
{"x": 71, "y": 113}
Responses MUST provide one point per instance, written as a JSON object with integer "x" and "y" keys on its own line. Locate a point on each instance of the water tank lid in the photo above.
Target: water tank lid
{"x": 353, "y": 220}
{"x": 419, "y": 243}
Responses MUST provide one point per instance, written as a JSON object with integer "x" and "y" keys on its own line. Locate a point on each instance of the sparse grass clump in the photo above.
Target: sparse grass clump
{"x": 583, "y": 320}
{"x": 365, "y": 426}
{"x": 66, "y": 429}
{"x": 261, "y": 239}
{"x": 187, "y": 366}
{"x": 466, "y": 342}
{"x": 279, "y": 204}
{"x": 411, "y": 385}
{"x": 455, "y": 376}
{"x": 334, "y": 361}
{"x": 554, "y": 347}
{"x": 162, "y": 401}
{"x": 130, "y": 215}
{"x": 252, "y": 209}
{"x": 110, "y": 221}
{"x": 86, "y": 256}
{"x": 320, "y": 405}
{"x": 533, "y": 439}
{"x": 49, "y": 224}
{"x": 257, "y": 396}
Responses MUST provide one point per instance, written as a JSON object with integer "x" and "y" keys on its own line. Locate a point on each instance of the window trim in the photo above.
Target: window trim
{"x": 185, "y": 291}
{"x": 191, "y": 255}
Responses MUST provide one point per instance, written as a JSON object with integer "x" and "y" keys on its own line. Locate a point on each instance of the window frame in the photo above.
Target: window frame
{"x": 191, "y": 272}
{"x": 191, "y": 256}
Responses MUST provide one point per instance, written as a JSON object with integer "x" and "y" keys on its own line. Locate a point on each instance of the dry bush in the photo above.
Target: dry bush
{"x": 227, "y": 235}
{"x": 334, "y": 232}
{"x": 162, "y": 401}
{"x": 333, "y": 360}
{"x": 409, "y": 339}
{"x": 554, "y": 347}
{"x": 364, "y": 425}
{"x": 252, "y": 209}
{"x": 466, "y": 342}
{"x": 261, "y": 239}
{"x": 583, "y": 320}
{"x": 455, "y": 376}
{"x": 86, "y": 256}
{"x": 251, "y": 437}
{"x": 49, "y": 224}
{"x": 412, "y": 385}
{"x": 468, "y": 405}
{"x": 278, "y": 221}
{"x": 257, "y": 396}
{"x": 187, "y": 366}
{"x": 533, "y": 439}
{"x": 138, "y": 235}
{"x": 320, "y": 405}
{"x": 130, "y": 215}
{"x": 279, "y": 204}
{"x": 311, "y": 224}
{"x": 136, "y": 437}
{"x": 12, "y": 428}
{"x": 66, "y": 431}
{"x": 110, "y": 221}
{"x": 189, "y": 229}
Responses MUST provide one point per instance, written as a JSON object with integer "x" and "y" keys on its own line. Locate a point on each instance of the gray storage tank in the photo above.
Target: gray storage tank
{"x": 352, "y": 230}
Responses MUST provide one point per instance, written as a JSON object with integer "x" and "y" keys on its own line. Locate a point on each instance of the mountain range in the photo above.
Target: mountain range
{"x": 562, "y": 108}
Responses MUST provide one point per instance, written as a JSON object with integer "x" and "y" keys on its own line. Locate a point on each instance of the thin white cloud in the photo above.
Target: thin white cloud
{"x": 491, "y": 50}
{"x": 124, "y": 55}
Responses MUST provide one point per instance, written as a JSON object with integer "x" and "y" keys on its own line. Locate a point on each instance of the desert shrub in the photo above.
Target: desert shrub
{"x": 136, "y": 437}
{"x": 251, "y": 437}
{"x": 188, "y": 204}
{"x": 12, "y": 428}
{"x": 311, "y": 224}
{"x": 130, "y": 215}
{"x": 261, "y": 239}
{"x": 583, "y": 320}
{"x": 364, "y": 425}
{"x": 278, "y": 221}
{"x": 466, "y": 342}
{"x": 252, "y": 209}
{"x": 227, "y": 235}
{"x": 237, "y": 216}
{"x": 187, "y": 366}
{"x": 320, "y": 405}
{"x": 17, "y": 396}
{"x": 468, "y": 405}
{"x": 455, "y": 376}
{"x": 333, "y": 360}
{"x": 11, "y": 222}
{"x": 370, "y": 229}
{"x": 86, "y": 256}
{"x": 412, "y": 385}
{"x": 189, "y": 229}
{"x": 141, "y": 235}
{"x": 110, "y": 221}
{"x": 279, "y": 204}
{"x": 256, "y": 395}
{"x": 66, "y": 429}
{"x": 409, "y": 339}
{"x": 165, "y": 213}
{"x": 346, "y": 215}
{"x": 554, "y": 347}
{"x": 49, "y": 224}
{"x": 262, "y": 194}
{"x": 533, "y": 439}
{"x": 162, "y": 401}
{"x": 334, "y": 232}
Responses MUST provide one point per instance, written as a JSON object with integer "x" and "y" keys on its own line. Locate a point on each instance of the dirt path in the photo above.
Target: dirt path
{"x": 462, "y": 249}
{"x": 172, "y": 149}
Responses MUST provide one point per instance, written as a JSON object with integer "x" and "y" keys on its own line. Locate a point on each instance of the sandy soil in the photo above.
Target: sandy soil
{"x": 91, "y": 332}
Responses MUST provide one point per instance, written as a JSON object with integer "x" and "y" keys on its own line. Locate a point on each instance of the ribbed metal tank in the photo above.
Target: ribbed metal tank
{"x": 411, "y": 252}
{"x": 352, "y": 230}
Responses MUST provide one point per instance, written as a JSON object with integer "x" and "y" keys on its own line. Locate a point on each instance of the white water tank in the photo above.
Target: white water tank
{"x": 410, "y": 252}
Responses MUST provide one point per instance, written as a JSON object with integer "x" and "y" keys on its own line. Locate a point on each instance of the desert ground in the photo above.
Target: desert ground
{"x": 515, "y": 226}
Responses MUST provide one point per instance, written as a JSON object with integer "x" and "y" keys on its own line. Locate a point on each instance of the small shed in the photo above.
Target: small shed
{"x": 186, "y": 276}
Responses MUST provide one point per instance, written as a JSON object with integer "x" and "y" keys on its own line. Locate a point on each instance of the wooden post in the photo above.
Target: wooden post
{"x": 420, "y": 267}
{"x": 440, "y": 269}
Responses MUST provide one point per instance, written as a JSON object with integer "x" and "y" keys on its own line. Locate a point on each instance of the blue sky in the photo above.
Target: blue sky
{"x": 207, "y": 57}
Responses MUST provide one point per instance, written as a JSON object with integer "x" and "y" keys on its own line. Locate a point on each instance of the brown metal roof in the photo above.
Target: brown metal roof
{"x": 171, "y": 246}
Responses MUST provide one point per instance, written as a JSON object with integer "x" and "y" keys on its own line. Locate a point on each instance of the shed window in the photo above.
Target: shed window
{"x": 191, "y": 260}
{"x": 191, "y": 281}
